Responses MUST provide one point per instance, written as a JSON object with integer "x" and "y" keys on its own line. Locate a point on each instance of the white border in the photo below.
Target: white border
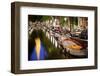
{"x": 25, "y": 64}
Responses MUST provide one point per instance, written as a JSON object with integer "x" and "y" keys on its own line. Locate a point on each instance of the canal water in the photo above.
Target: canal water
{"x": 44, "y": 49}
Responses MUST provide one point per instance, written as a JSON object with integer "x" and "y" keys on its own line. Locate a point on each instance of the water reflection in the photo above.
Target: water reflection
{"x": 38, "y": 51}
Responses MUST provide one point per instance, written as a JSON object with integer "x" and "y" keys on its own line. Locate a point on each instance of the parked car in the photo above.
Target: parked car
{"x": 84, "y": 34}
{"x": 76, "y": 33}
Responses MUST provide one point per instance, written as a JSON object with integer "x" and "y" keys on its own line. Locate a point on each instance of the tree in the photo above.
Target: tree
{"x": 73, "y": 22}
{"x": 44, "y": 18}
{"x": 62, "y": 21}
{"x": 34, "y": 18}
